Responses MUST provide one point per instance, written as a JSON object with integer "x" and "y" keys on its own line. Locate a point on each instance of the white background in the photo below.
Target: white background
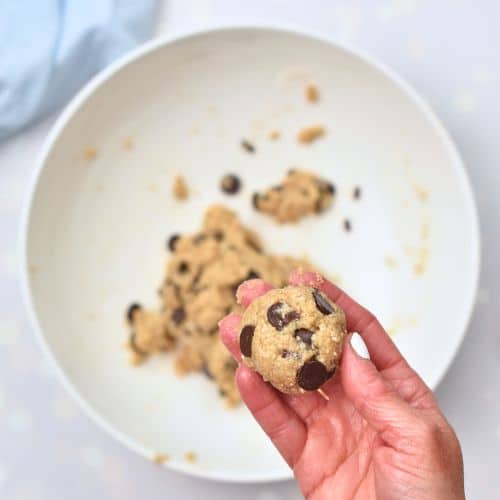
{"x": 449, "y": 51}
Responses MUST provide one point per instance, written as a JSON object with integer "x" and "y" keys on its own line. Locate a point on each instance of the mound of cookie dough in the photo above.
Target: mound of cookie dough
{"x": 202, "y": 276}
{"x": 301, "y": 193}
{"x": 293, "y": 337}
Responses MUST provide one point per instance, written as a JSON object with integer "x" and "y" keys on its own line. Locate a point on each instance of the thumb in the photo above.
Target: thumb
{"x": 373, "y": 396}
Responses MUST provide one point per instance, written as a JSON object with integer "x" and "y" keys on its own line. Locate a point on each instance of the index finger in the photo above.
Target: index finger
{"x": 383, "y": 351}
{"x": 247, "y": 292}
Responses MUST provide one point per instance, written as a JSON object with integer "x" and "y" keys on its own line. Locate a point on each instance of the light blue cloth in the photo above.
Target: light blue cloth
{"x": 50, "y": 48}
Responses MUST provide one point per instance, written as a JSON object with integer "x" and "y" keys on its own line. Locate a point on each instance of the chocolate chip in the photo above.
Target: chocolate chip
{"x": 321, "y": 303}
{"x": 247, "y": 146}
{"x": 199, "y": 238}
{"x": 252, "y": 275}
{"x": 356, "y": 193}
{"x": 278, "y": 319}
{"x": 219, "y": 235}
{"x": 230, "y": 184}
{"x": 132, "y": 308}
{"x": 183, "y": 267}
{"x": 134, "y": 347}
{"x": 179, "y": 315}
{"x": 172, "y": 241}
{"x": 347, "y": 225}
{"x": 246, "y": 337}
{"x": 304, "y": 335}
{"x": 326, "y": 187}
{"x": 291, "y": 171}
{"x": 222, "y": 393}
{"x": 255, "y": 201}
{"x": 279, "y": 187}
{"x": 312, "y": 375}
{"x": 206, "y": 371}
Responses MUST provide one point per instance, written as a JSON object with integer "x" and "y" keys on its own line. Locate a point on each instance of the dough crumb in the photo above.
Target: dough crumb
{"x": 179, "y": 188}
{"x": 390, "y": 262}
{"x": 312, "y": 93}
{"x": 90, "y": 154}
{"x": 128, "y": 143}
{"x": 421, "y": 193}
{"x": 420, "y": 265}
{"x": 274, "y": 135}
{"x": 161, "y": 458}
{"x": 190, "y": 457}
{"x": 301, "y": 193}
{"x": 310, "y": 134}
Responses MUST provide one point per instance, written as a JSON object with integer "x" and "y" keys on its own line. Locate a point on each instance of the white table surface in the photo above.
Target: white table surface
{"x": 449, "y": 51}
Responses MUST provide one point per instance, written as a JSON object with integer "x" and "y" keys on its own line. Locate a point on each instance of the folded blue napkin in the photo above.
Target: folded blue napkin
{"x": 50, "y": 48}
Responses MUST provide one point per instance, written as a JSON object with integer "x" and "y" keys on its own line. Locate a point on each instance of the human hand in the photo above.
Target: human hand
{"x": 381, "y": 435}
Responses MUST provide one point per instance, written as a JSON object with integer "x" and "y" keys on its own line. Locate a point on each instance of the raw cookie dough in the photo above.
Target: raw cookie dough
{"x": 301, "y": 193}
{"x": 293, "y": 337}
{"x": 202, "y": 276}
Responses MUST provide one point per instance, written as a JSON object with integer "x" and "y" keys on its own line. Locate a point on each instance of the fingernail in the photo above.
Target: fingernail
{"x": 359, "y": 346}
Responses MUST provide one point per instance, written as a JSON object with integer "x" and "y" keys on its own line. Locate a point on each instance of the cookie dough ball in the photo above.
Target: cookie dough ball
{"x": 293, "y": 337}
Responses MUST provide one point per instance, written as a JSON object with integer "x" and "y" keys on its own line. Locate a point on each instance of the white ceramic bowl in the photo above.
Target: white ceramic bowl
{"x": 95, "y": 229}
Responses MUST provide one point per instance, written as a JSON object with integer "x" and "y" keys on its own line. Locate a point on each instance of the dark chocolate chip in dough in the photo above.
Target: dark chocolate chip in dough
{"x": 199, "y": 238}
{"x": 219, "y": 235}
{"x": 246, "y": 337}
{"x": 304, "y": 335}
{"x": 183, "y": 267}
{"x": 278, "y": 187}
{"x": 134, "y": 347}
{"x": 330, "y": 188}
{"x": 255, "y": 200}
{"x": 179, "y": 315}
{"x": 252, "y": 275}
{"x": 321, "y": 303}
{"x": 172, "y": 241}
{"x": 278, "y": 319}
{"x": 230, "y": 184}
{"x": 291, "y": 171}
{"x": 206, "y": 371}
{"x": 132, "y": 309}
{"x": 312, "y": 375}
{"x": 326, "y": 187}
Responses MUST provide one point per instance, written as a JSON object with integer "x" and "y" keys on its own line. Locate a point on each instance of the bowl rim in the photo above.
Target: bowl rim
{"x": 79, "y": 100}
